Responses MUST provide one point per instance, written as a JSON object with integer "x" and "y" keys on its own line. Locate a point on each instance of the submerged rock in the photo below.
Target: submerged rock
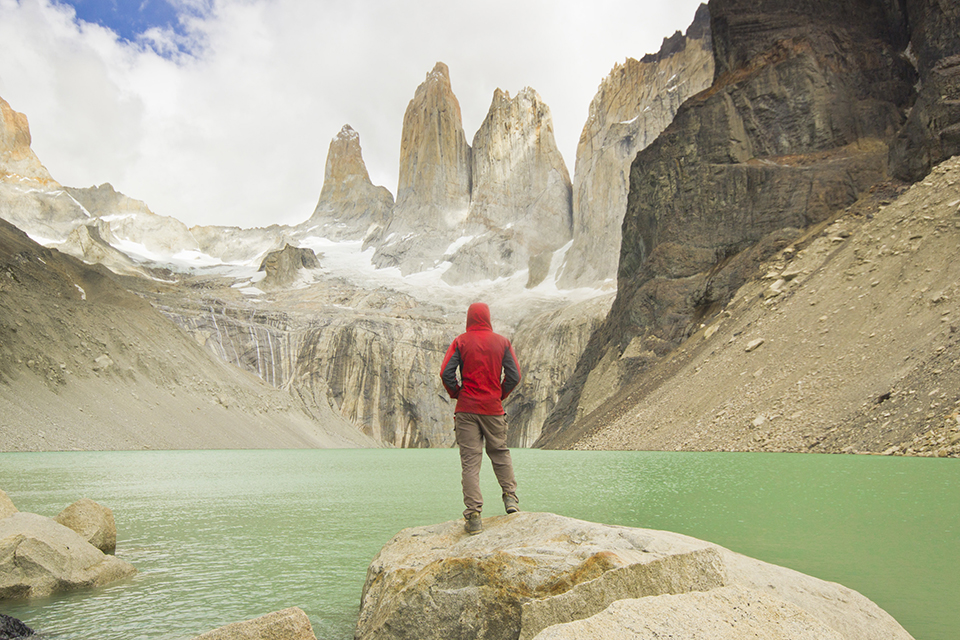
{"x": 288, "y": 624}
{"x": 39, "y": 556}
{"x": 529, "y": 573}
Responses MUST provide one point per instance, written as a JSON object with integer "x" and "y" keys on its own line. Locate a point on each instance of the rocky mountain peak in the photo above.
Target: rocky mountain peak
{"x": 634, "y": 103}
{"x": 17, "y": 160}
{"x": 520, "y": 206}
{"x": 433, "y": 191}
{"x": 350, "y": 205}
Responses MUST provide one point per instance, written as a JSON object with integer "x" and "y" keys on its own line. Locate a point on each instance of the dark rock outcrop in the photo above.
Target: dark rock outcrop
{"x": 806, "y": 99}
{"x": 932, "y": 131}
{"x": 11, "y": 628}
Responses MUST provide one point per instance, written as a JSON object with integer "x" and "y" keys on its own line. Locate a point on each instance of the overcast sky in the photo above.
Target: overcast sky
{"x": 221, "y": 111}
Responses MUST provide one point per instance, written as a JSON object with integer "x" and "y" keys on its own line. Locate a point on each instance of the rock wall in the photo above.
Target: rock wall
{"x": 548, "y": 346}
{"x": 795, "y": 127}
{"x": 376, "y": 369}
{"x": 635, "y": 102}
{"x": 932, "y": 131}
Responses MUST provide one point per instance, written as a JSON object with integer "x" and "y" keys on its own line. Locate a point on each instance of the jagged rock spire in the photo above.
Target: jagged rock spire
{"x": 17, "y": 160}
{"x": 350, "y": 205}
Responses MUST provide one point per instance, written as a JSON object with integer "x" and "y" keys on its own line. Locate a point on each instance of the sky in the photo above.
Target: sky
{"x": 221, "y": 111}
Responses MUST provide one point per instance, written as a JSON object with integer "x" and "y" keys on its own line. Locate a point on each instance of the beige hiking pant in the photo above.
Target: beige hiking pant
{"x": 473, "y": 431}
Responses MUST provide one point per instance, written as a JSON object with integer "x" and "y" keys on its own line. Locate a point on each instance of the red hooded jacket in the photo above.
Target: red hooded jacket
{"x": 487, "y": 365}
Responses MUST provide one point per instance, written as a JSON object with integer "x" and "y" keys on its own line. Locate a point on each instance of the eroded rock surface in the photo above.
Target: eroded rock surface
{"x": 520, "y": 192}
{"x": 530, "y": 571}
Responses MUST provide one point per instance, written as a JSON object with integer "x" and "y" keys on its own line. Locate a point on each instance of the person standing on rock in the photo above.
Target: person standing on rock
{"x": 488, "y": 371}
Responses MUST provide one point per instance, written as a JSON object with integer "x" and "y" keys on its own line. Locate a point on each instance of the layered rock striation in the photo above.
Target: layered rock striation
{"x": 634, "y": 103}
{"x": 350, "y": 207}
{"x": 796, "y": 125}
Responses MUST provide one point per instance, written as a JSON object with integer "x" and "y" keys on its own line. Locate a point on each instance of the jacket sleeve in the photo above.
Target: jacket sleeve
{"x": 511, "y": 372}
{"x": 448, "y": 372}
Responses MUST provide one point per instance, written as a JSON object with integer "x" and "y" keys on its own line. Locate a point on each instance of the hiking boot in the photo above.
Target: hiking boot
{"x": 474, "y": 524}
{"x": 510, "y": 503}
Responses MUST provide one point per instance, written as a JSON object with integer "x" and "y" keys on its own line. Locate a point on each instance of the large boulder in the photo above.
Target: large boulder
{"x": 39, "y": 556}
{"x": 93, "y": 521}
{"x": 287, "y": 624}
{"x": 530, "y": 571}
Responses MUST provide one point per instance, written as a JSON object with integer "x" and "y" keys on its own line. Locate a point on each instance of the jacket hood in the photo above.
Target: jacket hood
{"x": 478, "y": 317}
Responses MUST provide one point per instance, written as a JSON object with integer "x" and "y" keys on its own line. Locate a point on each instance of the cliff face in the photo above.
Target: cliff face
{"x": 350, "y": 206}
{"x": 548, "y": 346}
{"x": 18, "y": 162}
{"x": 796, "y": 125}
{"x": 520, "y": 197}
{"x": 635, "y": 102}
{"x": 932, "y": 130}
{"x": 373, "y": 356}
{"x": 433, "y": 192}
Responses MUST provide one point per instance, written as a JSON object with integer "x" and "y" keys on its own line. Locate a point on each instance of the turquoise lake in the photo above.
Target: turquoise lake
{"x": 223, "y": 536}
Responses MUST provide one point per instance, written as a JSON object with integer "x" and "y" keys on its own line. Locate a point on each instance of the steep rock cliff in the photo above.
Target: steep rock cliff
{"x": 433, "y": 191}
{"x": 350, "y": 207}
{"x": 635, "y": 102}
{"x": 795, "y": 126}
{"x": 520, "y": 198}
{"x": 932, "y": 131}
{"x": 548, "y": 346}
{"x": 18, "y": 162}
{"x": 371, "y": 355}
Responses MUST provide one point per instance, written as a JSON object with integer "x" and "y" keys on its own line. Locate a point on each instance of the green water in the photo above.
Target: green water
{"x": 222, "y": 536}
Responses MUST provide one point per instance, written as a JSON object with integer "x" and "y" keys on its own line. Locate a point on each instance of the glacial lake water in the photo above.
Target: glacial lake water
{"x": 223, "y": 536}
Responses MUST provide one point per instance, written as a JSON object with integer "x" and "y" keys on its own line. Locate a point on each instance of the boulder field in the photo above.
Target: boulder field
{"x": 545, "y": 576}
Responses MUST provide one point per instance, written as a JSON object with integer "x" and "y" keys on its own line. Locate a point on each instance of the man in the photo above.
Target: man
{"x": 488, "y": 372}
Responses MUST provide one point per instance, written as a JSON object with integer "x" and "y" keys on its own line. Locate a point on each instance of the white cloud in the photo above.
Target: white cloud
{"x": 237, "y": 133}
